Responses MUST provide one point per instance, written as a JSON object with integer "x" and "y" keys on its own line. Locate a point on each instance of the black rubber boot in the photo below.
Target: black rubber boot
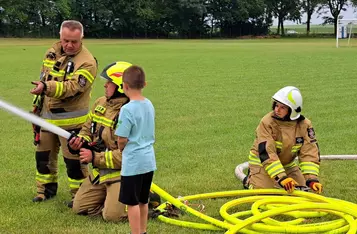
{"x": 39, "y": 198}
{"x": 50, "y": 190}
{"x": 245, "y": 181}
{"x": 69, "y": 204}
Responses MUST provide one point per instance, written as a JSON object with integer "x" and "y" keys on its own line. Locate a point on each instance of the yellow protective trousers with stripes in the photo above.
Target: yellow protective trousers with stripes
{"x": 47, "y": 165}
{"x": 99, "y": 199}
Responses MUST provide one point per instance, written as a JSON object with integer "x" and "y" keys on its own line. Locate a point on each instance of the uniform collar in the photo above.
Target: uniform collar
{"x": 283, "y": 122}
{"x": 118, "y": 102}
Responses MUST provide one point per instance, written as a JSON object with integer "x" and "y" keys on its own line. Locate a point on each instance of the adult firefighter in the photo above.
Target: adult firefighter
{"x": 100, "y": 190}
{"x": 62, "y": 98}
{"x": 282, "y": 136}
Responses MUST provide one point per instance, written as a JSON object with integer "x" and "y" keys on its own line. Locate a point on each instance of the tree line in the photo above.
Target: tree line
{"x": 161, "y": 18}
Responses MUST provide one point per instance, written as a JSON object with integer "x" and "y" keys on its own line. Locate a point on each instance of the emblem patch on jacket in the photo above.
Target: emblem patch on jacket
{"x": 311, "y": 133}
{"x": 100, "y": 109}
{"x": 82, "y": 81}
{"x": 299, "y": 140}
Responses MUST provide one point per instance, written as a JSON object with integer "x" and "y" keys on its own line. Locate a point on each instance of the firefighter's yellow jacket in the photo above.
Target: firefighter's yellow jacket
{"x": 100, "y": 128}
{"x": 68, "y": 80}
{"x": 279, "y": 142}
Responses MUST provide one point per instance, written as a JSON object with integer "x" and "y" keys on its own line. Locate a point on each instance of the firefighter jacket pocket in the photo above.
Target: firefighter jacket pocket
{"x": 254, "y": 170}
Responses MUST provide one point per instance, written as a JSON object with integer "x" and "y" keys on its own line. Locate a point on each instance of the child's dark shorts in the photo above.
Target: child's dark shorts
{"x": 135, "y": 189}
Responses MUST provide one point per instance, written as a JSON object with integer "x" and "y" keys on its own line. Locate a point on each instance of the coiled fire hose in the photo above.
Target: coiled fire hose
{"x": 299, "y": 205}
{"x": 299, "y": 209}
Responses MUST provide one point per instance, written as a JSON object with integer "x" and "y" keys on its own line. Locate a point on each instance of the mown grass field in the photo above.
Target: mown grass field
{"x": 209, "y": 97}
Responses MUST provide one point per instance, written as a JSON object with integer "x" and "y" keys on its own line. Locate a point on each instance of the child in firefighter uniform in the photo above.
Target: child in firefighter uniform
{"x": 62, "y": 98}
{"x": 283, "y": 136}
{"x": 100, "y": 190}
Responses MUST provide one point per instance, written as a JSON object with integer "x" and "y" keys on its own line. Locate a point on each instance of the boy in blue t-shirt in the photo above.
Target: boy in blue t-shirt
{"x": 136, "y": 137}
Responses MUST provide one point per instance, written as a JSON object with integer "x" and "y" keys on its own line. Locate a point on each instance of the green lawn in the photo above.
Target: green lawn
{"x": 209, "y": 97}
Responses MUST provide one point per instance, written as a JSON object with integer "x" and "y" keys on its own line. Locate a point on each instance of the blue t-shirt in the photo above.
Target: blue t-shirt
{"x": 137, "y": 123}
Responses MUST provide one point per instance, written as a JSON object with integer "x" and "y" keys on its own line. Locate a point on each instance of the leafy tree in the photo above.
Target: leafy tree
{"x": 144, "y": 18}
{"x": 238, "y": 17}
{"x": 16, "y": 16}
{"x": 284, "y": 10}
{"x": 309, "y": 7}
{"x": 334, "y": 7}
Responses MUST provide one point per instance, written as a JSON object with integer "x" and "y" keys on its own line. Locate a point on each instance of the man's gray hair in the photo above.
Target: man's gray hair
{"x": 72, "y": 25}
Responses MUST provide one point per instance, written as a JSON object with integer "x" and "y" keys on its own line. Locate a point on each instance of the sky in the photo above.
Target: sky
{"x": 349, "y": 14}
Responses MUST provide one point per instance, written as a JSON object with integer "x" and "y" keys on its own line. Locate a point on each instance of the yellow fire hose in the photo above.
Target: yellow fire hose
{"x": 299, "y": 205}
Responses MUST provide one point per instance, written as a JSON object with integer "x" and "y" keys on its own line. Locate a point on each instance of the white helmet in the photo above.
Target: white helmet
{"x": 291, "y": 97}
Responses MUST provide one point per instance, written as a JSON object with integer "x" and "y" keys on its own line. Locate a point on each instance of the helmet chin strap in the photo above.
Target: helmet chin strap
{"x": 116, "y": 94}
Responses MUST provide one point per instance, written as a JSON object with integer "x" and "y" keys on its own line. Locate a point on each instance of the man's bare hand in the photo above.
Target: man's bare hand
{"x": 85, "y": 155}
{"x": 38, "y": 89}
{"x": 76, "y": 143}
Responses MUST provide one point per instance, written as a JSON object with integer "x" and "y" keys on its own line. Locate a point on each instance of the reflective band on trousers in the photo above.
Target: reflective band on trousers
{"x": 46, "y": 178}
{"x": 74, "y": 184}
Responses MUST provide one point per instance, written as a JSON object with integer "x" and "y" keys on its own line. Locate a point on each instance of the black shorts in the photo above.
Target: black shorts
{"x": 135, "y": 189}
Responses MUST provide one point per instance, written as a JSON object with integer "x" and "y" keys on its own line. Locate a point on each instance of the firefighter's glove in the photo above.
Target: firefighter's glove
{"x": 288, "y": 184}
{"x": 315, "y": 185}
